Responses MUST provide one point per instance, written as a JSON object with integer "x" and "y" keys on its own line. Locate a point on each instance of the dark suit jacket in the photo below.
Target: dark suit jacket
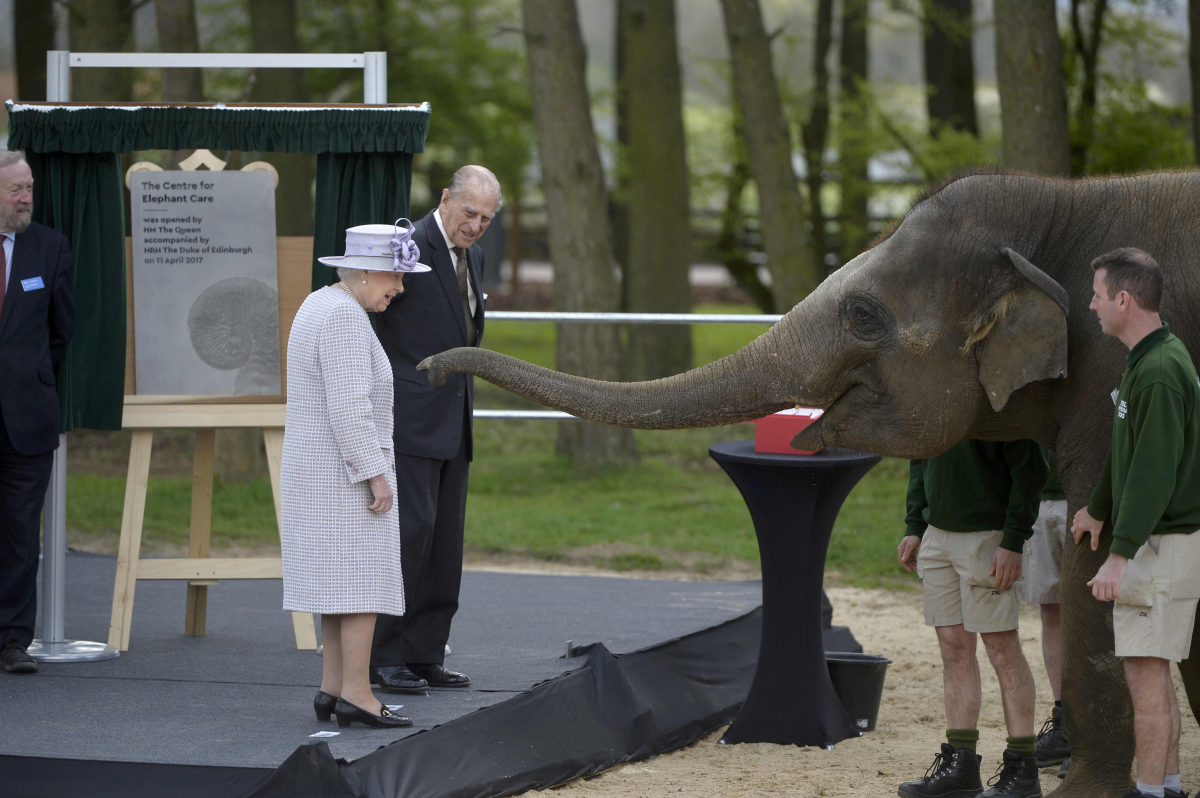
{"x": 35, "y": 328}
{"x": 426, "y": 319}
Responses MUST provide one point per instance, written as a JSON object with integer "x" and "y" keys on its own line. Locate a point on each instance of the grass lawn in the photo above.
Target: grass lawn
{"x": 674, "y": 509}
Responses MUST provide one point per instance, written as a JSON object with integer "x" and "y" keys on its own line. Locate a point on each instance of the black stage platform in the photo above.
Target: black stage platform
{"x": 241, "y": 696}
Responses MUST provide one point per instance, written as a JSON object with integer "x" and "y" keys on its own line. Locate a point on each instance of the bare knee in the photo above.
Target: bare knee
{"x": 1146, "y": 668}
{"x": 1003, "y": 649}
{"x": 957, "y": 645}
{"x": 1051, "y": 614}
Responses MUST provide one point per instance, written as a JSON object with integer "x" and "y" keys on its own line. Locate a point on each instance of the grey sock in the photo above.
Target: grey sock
{"x": 1150, "y": 789}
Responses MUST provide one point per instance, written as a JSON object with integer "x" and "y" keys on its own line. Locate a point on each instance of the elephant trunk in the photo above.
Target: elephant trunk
{"x": 761, "y": 378}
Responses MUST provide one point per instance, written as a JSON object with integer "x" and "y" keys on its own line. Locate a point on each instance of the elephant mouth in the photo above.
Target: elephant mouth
{"x": 829, "y": 429}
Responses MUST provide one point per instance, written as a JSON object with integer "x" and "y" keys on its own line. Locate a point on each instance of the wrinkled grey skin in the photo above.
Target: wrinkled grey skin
{"x": 989, "y": 260}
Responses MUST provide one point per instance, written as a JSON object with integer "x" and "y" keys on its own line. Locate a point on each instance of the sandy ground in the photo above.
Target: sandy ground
{"x": 910, "y": 727}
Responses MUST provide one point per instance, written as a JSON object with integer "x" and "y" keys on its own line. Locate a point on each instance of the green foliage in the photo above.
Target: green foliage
{"x": 1133, "y": 133}
{"x": 1126, "y": 130}
{"x": 465, "y": 57}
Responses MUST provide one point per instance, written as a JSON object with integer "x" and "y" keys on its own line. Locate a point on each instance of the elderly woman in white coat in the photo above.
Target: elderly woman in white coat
{"x": 340, "y": 533}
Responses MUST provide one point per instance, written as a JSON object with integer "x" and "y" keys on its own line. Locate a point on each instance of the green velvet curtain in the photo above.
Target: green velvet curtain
{"x": 80, "y": 196}
{"x": 360, "y": 188}
{"x": 78, "y": 130}
{"x": 364, "y": 175}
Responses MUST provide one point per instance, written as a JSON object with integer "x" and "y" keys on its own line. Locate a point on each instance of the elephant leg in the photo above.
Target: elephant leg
{"x": 1096, "y": 702}
{"x": 1189, "y": 669}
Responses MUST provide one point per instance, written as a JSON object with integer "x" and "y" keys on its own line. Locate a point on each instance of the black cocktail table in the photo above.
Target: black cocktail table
{"x": 793, "y": 501}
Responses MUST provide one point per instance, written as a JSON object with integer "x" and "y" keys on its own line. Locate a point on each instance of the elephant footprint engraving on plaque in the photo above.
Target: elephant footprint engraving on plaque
{"x": 234, "y": 324}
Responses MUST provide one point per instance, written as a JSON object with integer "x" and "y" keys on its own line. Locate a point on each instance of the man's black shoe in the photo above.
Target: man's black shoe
{"x": 398, "y": 679}
{"x": 17, "y": 661}
{"x": 1017, "y": 777}
{"x": 953, "y": 774}
{"x": 1175, "y": 793}
{"x": 438, "y": 676}
{"x": 1053, "y": 747}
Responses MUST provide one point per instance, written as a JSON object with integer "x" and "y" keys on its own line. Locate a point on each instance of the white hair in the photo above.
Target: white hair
{"x": 347, "y": 274}
{"x": 475, "y": 178}
{"x": 10, "y": 157}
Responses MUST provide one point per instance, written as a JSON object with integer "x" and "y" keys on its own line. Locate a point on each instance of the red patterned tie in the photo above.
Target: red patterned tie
{"x": 3, "y": 275}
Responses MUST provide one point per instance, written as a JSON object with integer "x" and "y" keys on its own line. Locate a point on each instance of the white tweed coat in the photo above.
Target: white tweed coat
{"x": 338, "y": 556}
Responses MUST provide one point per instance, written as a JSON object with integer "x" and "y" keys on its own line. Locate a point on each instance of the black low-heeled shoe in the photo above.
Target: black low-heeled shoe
{"x": 386, "y": 719}
{"x": 323, "y": 705}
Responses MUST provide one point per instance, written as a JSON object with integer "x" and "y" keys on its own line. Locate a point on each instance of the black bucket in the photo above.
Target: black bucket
{"x": 858, "y": 680}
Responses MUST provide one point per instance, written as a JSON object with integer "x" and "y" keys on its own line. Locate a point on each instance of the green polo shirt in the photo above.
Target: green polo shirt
{"x": 1150, "y": 484}
{"x": 978, "y": 486}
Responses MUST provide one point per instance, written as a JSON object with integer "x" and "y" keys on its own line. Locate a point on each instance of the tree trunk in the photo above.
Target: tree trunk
{"x": 1194, "y": 64}
{"x": 949, "y": 71}
{"x": 1087, "y": 38}
{"x": 579, "y": 233}
{"x": 816, "y": 131}
{"x": 660, "y": 242}
{"x": 101, "y": 26}
{"x": 177, "y": 33}
{"x": 33, "y": 21}
{"x": 794, "y": 269}
{"x": 515, "y": 243}
{"x": 618, "y": 199}
{"x": 729, "y": 243}
{"x": 1033, "y": 102}
{"x": 854, "y": 138}
{"x": 273, "y": 30}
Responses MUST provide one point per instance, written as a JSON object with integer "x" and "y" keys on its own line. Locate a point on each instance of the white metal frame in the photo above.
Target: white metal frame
{"x": 52, "y": 646}
{"x": 59, "y": 64}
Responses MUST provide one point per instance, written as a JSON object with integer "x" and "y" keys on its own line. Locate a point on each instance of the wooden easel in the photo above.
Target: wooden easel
{"x": 144, "y": 414}
{"x": 197, "y": 568}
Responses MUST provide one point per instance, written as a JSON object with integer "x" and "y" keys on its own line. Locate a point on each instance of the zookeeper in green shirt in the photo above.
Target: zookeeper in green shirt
{"x": 1150, "y": 491}
{"x": 970, "y": 511}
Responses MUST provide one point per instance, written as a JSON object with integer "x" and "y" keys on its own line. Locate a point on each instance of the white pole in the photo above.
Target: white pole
{"x": 53, "y": 645}
{"x": 58, "y": 76}
{"x": 54, "y": 550}
{"x": 375, "y": 78}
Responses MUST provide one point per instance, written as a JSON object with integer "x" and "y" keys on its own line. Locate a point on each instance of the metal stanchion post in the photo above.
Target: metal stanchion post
{"x": 53, "y": 645}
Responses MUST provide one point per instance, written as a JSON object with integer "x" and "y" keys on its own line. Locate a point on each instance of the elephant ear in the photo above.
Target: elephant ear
{"x": 1022, "y": 337}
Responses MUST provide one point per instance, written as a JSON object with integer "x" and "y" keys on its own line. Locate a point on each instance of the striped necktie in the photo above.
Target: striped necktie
{"x": 461, "y": 270}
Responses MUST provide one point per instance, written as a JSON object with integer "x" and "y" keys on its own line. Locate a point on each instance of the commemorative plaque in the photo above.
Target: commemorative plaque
{"x": 205, "y": 288}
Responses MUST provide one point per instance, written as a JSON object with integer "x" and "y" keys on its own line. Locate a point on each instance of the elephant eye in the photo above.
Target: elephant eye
{"x": 865, "y": 318}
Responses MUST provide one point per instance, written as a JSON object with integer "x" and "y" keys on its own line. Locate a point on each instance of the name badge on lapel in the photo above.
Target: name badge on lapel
{"x": 33, "y": 284}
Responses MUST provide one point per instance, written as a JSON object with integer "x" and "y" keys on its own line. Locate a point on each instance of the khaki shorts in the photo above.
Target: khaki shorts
{"x": 953, "y": 567}
{"x": 1041, "y": 564}
{"x": 1157, "y": 610}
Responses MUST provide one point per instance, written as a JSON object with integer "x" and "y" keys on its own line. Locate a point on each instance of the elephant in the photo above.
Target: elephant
{"x": 968, "y": 318}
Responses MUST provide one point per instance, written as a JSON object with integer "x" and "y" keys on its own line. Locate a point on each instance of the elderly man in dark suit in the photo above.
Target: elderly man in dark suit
{"x": 37, "y": 318}
{"x": 433, "y": 432}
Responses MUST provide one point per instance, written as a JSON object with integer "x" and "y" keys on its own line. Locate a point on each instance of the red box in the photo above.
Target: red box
{"x": 773, "y": 434}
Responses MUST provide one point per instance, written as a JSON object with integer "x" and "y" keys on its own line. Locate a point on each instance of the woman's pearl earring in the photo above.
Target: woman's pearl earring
{"x": 364, "y": 282}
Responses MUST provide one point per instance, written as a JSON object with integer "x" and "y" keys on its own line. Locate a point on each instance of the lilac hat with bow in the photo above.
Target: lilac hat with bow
{"x": 379, "y": 248}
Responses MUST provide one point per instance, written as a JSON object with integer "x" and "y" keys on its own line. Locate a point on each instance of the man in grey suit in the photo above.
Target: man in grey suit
{"x": 433, "y": 431}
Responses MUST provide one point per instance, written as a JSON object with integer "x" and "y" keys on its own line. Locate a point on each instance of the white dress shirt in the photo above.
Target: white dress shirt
{"x": 437, "y": 216}
{"x": 8, "y": 240}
